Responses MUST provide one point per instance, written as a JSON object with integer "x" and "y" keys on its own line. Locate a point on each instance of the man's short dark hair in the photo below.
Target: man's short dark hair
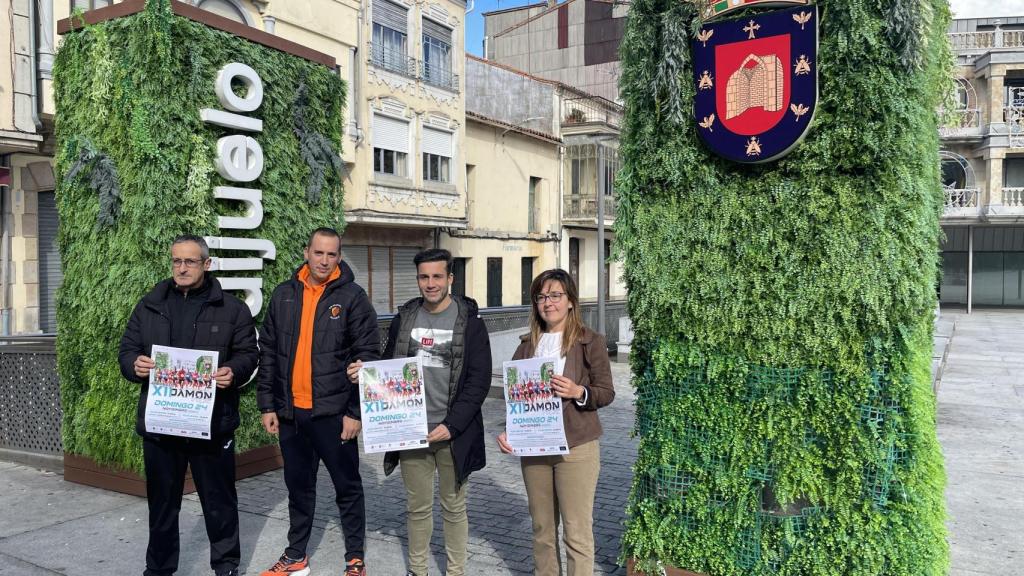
{"x": 324, "y": 231}
{"x": 434, "y": 255}
{"x": 204, "y": 248}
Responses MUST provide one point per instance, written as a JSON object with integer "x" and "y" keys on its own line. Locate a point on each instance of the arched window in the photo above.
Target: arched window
{"x": 226, "y": 8}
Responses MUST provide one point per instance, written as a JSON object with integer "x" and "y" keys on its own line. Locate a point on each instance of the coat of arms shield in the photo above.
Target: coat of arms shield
{"x": 757, "y": 83}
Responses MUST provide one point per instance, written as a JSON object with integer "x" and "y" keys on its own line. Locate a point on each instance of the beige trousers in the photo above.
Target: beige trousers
{"x": 418, "y": 468}
{"x": 562, "y": 488}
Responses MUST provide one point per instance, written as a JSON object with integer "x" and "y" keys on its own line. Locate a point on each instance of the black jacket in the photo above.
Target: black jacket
{"x": 224, "y": 324}
{"x": 471, "y": 372}
{"x": 344, "y": 330}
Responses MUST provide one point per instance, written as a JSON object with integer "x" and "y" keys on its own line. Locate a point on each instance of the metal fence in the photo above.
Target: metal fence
{"x": 30, "y": 412}
{"x": 30, "y": 409}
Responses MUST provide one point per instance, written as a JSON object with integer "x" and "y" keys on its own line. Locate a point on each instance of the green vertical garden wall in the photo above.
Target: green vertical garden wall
{"x": 135, "y": 167}
{"x": 784, "y": 312}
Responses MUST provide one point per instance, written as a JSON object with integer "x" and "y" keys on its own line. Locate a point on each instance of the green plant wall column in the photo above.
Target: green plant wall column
{"x": 783, "y": 312}
{"x": 135, "y": 167}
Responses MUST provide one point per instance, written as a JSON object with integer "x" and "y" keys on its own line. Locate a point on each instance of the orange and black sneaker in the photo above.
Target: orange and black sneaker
{"x": 286, "y": 566}
{"x": 355, "y": 567}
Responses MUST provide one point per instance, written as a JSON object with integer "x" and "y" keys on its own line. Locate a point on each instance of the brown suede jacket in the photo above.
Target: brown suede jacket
{"x": 586, "y": 364}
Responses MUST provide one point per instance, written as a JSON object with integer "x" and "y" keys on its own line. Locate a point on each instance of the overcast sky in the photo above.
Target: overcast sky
{"x": 986, "y": 8}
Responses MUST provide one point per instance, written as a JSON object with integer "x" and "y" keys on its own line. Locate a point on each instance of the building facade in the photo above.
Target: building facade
{"x": 403, "y": 150}
{"x": 540, "y": 156}
{"x": 575, "y": 42}
{"x": 983, "y": 166}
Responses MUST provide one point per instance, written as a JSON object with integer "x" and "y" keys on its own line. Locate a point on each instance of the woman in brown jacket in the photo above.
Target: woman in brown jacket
{"x": 562, "y": 487}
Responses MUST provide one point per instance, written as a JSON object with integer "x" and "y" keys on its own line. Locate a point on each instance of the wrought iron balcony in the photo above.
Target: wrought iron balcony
{"x": 960, "y": 202}
{"x": 584, "y": 110}
{"x": 584, "y": 207}
{"x": 397, "y": 61}
{"x": 961, "y": 123}
{"x": 440, "y": 76}
{"x": 392, "y": 60}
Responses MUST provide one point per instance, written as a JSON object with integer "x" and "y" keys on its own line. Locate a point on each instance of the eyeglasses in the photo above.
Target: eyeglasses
{"x": 555, "y": 297}
{"x": 187, "y": 262}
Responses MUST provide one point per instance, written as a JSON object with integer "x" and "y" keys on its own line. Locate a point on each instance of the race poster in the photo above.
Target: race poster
{"x": 393, "y": 405}
{"x": 533, "y": 415}
{"x": 181, "y": 392}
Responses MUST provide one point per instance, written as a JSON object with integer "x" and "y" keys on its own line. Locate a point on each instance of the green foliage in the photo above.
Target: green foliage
{"x": 783, "y": 312}
{"x": 132, "y": 89}
{"x": 102, "y": 179}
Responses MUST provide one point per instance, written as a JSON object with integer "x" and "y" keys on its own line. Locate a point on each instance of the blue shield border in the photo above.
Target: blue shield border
{"x": 787, "y": 133}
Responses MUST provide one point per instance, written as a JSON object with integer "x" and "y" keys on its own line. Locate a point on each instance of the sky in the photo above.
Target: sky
{"x": 961, "y": 9}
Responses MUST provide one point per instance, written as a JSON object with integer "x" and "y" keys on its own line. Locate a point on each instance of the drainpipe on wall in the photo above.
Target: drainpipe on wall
{"x": 5, "y": 261}
{"x": 561, "y": 201}
{"x": 357, "y": 105}
{"x": 33, "y": 18}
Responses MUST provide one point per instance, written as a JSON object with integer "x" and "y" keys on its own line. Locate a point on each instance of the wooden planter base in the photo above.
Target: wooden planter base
{"x": 83, "y": 470}
{"x": 669, "y": 571}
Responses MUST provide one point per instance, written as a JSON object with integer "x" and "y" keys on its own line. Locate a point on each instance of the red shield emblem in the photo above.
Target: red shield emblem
{"x": 756, "y": 83}
{"x": 757, "y": 88}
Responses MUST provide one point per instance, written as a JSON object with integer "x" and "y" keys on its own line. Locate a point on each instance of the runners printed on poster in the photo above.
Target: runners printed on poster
{"x": 393, "y": 405}
{"x": 533, "y": 412}
{"x": 181, "y": 393}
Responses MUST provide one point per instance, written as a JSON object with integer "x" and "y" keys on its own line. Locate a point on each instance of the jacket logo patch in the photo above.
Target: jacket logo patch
{"x": 335, "y": 311}
{"x": 427, "y": 342}
{"x": 214, "y": 328}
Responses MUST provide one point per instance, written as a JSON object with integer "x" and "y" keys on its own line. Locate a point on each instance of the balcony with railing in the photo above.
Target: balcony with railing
{"x": 392, "y": 59}
{"x": 986, "y": 41}
{"x": 439, "y": 75}
{"x": 590, "y": 110}
{"x": 969, "y": 46}
{"x": 1013, "y": 201}
{"x": 584, "y": 207}
{"x": 960, "y": 203}
{"x": 396, "y": 60}
{"x": 961, "y": 123}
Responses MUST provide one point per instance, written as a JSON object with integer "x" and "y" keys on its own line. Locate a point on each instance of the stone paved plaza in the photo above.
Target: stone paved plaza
{"x": 48, "y": 526}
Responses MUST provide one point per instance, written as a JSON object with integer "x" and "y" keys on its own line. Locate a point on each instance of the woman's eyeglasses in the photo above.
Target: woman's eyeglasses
{"x": 555, "y": 297}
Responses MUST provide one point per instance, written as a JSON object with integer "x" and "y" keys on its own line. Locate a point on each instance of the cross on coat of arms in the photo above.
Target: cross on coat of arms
{"x": 758, "y": 77}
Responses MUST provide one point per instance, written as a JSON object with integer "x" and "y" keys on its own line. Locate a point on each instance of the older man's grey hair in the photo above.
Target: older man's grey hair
{"x": 204, "y": 248}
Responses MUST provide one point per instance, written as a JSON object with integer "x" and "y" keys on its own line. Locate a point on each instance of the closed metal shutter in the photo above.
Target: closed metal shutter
{"x": 50, "y": 274}
{"x": 404, "y": 272}
{"x": 390, "y": 14}
{"x": 437, "y": 142}
{"x": 437, "y": 31}
{"x": 358, "y": 258}
{"x": 390, "y": 134}
{"x": 380, "y": 279}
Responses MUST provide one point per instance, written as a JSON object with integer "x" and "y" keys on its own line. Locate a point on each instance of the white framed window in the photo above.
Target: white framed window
{"x": 388, "y": 48}
{"x": 437, "y": 155}
{"x": 390, "y": 146}
{"x": 437, "y": 54}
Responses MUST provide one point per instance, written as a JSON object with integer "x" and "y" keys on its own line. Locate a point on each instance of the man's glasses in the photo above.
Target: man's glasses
{"x": 555, "y": 297}
{"x": 187, "y": 262}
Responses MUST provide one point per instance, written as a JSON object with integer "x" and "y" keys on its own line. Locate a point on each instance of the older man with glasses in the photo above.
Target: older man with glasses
{"x": 190, "y": 310}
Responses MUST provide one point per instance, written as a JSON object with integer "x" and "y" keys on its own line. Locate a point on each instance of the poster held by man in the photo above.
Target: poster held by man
{"x": 393, "y": 404}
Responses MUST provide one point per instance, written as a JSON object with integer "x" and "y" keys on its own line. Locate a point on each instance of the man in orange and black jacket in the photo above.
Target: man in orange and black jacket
{"x": 317, "y": 323}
